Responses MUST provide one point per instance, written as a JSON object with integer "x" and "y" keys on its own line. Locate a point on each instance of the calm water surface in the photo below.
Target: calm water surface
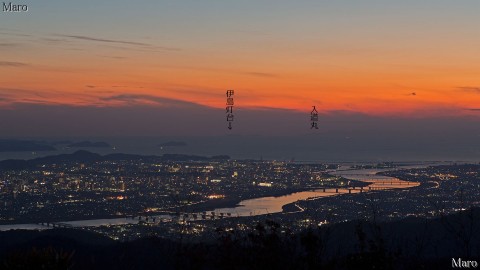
{"x": 257, "y": 206}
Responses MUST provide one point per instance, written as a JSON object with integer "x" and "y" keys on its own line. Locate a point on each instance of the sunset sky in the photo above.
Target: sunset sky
{"x": 379, "y": 58}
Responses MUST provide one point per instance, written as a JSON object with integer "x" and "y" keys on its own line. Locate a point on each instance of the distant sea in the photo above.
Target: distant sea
{"x": 299, "y": 148}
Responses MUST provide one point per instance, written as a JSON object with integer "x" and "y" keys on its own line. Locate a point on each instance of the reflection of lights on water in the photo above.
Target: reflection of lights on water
{"x": 216, "y": 196}
{"x": 325, "y": 222}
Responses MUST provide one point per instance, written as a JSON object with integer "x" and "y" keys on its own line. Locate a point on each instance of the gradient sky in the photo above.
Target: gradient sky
{"x": 410, "y": 59}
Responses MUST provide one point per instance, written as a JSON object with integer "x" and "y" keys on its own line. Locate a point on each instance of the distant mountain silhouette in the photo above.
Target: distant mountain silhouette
{"x": 24, "y": 146}
{"x": 220, "y": 157}
{"x": 172, "y": 144}
{"x": 61, "y": 142}
{"x": 181, "y": 157}
{"x": 88, "y": 144}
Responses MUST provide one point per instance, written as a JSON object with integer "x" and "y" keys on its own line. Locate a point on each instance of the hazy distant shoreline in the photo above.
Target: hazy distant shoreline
{"x": 294, "y": 148}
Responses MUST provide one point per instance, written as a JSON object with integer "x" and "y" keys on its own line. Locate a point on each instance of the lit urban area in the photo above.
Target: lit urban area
{"x": 126, "y": 197}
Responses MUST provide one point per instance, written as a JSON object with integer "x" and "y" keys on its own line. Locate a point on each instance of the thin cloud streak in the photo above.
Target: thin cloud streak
{"x": 7, "y": 44}
{"x": 47, "y": 97}
{"x": 134, "y": 99}
{"x": 121, "y": 42}
{"x": 262, "y": 74}
{"x": 100, "y": 91}
{"x": 106, "y": 40}
{"x": 12, "y": 32}
{"x": 469, "y": 89}
{"x": 16, "y": 91}
{"x": 12, "y": 64}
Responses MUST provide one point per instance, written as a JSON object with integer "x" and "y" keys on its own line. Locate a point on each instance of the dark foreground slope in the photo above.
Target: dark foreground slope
{"x": 408, "y": 244}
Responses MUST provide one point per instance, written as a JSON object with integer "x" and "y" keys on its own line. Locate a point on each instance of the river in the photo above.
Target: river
{"x": 258, "y": 206}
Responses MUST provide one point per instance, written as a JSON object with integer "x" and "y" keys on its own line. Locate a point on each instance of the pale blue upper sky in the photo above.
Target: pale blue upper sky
{"x": 181, "y": 22}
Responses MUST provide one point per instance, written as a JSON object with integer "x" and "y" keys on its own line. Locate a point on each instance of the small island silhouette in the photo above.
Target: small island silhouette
{"x": 89, "y": 144}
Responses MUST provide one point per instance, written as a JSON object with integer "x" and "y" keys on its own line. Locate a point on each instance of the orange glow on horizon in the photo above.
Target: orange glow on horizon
{"x": 375, "y": 88}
